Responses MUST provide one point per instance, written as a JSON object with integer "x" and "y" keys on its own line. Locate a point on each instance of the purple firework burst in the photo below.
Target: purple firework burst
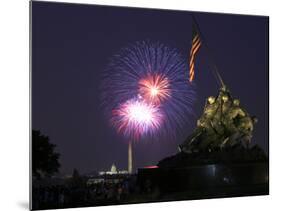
{"x": 152, "y": 73}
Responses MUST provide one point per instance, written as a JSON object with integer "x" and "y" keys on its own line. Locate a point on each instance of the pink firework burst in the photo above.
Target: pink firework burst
{"x": 136, "y": 118}
{"x": 155, "y": 88}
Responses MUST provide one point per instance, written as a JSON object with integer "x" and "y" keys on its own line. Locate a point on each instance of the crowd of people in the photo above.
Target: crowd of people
{"x": 68, "y": 195}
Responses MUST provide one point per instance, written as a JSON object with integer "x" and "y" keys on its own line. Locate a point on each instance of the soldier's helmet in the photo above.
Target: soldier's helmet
{"x": 255, "y": 119}
{"x": 211, "y": 99}
{"x": 225, "y": 98}
{"x": 236, "y": 102}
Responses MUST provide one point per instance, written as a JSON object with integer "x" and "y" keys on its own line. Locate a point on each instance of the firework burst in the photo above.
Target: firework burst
{"x": 148, "y": 78}
{"x": 136, "y": 118}
{"x": 155, "y": 88}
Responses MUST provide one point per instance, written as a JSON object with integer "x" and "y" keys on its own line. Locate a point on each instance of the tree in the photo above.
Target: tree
{"x": 44, "y": 158}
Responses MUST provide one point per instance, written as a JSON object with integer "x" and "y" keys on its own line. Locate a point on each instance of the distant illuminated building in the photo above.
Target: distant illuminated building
{"x": 112, "y": 176}
{"x": 113, "y": 171}
{"x": 130, "y": 158}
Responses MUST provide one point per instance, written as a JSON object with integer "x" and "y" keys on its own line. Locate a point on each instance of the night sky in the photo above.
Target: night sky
{"x": 72, "y": 44}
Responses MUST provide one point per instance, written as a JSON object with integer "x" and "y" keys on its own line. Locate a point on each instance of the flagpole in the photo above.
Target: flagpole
{"x": 217, "y": 74}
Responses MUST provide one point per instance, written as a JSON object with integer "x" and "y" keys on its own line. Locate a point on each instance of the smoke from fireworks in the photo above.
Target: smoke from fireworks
{"x": 146, "y": 92}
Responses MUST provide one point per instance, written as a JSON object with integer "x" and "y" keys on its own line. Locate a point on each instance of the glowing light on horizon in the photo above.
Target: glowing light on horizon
{"x": 151, "y": 167}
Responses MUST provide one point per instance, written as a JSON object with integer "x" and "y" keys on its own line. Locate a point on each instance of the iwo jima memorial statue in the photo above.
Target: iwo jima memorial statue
{"x": 217, "y": 159}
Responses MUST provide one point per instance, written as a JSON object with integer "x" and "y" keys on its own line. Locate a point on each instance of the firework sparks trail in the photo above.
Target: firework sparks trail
{"x": 152, "y": 77}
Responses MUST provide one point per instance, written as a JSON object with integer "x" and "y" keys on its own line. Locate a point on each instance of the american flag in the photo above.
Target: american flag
{"x": 196, "y": 43}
